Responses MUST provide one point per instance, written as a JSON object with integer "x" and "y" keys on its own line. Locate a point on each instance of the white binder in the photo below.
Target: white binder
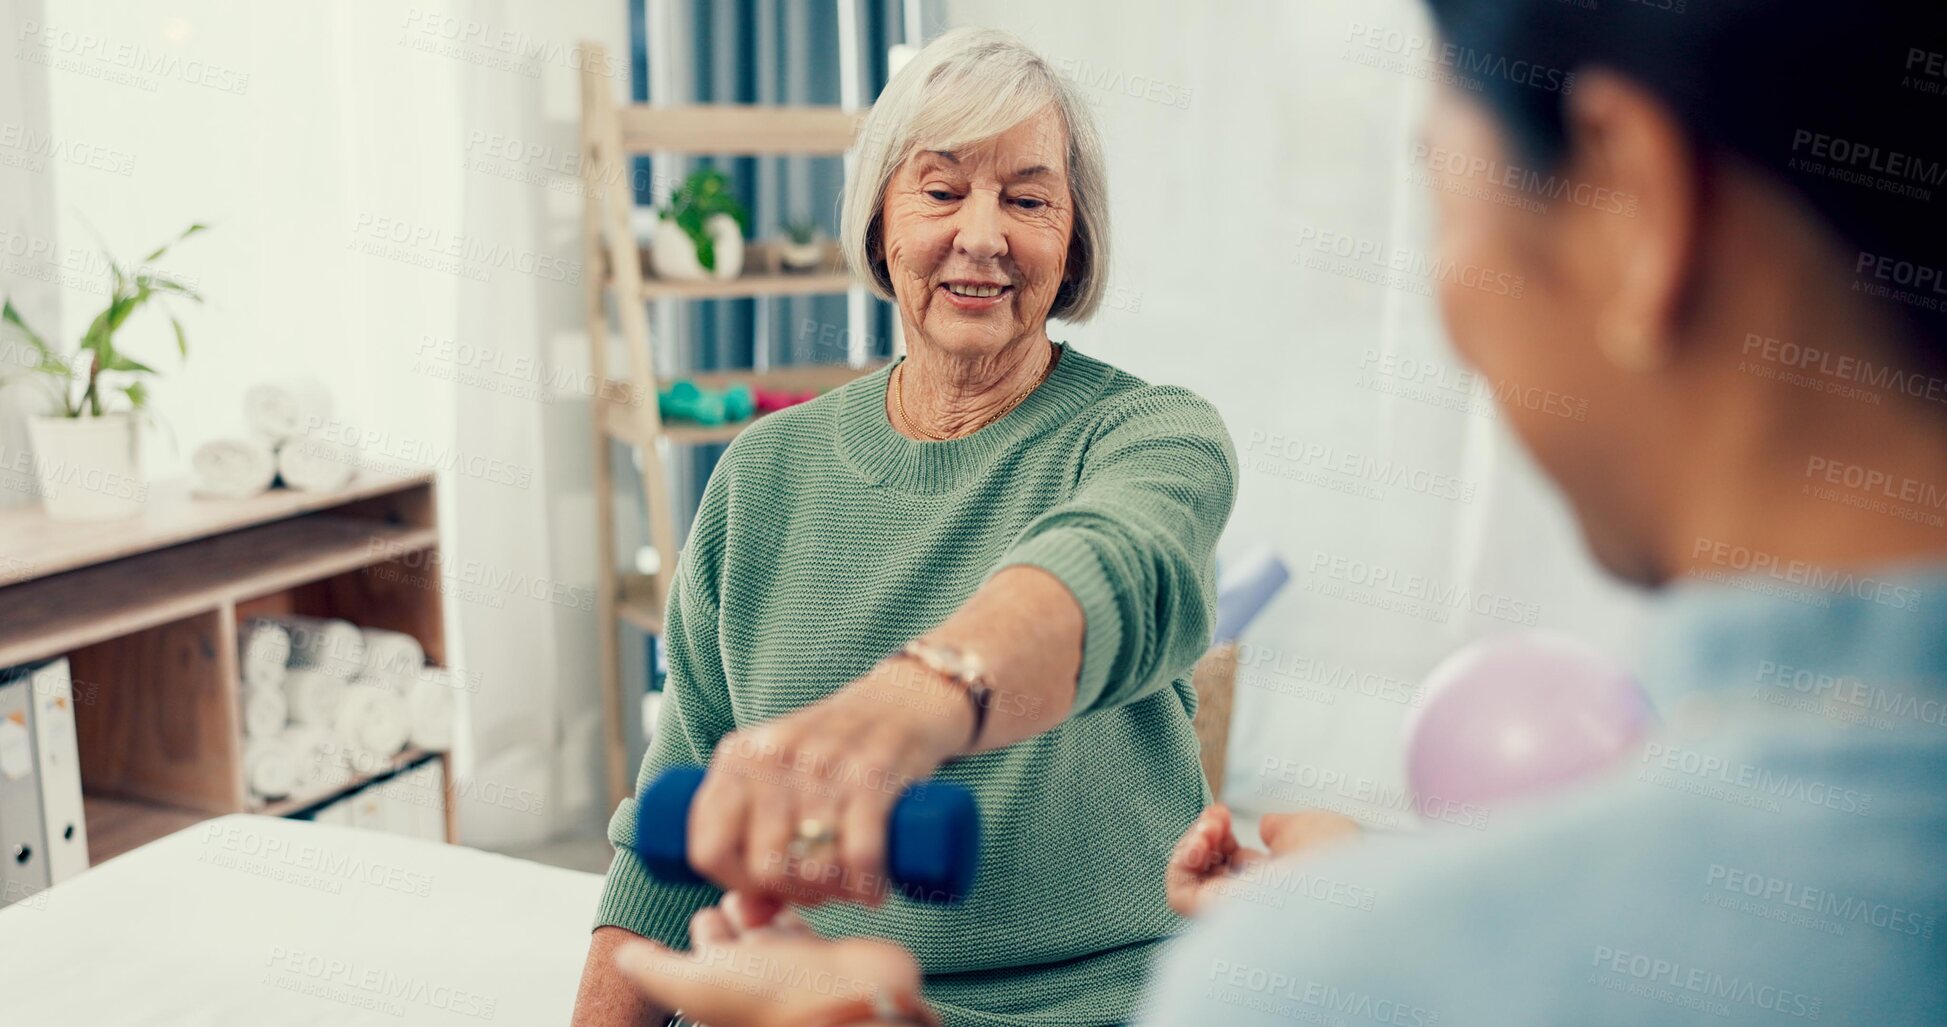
{"x": 410, "y": 803}
{"x": 339, "y": 813}
{"x": 57, "y": 756}
{"x": 23, "y": 834}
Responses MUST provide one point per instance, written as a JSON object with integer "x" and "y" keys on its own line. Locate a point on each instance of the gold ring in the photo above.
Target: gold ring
{"x": 812, "y": 833}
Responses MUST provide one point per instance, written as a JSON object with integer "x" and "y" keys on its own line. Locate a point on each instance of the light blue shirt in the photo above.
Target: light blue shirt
{"x": 1777, "y": 855}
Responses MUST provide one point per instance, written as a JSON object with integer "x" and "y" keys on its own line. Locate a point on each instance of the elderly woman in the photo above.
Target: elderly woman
{"x": 991, "y": 563}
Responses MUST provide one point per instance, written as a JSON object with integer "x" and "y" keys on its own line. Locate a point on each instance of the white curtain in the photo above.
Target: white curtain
{"x": 1251, "y": 146}
{"x": 391, "y": 198}
{"x": 30, "y": 249}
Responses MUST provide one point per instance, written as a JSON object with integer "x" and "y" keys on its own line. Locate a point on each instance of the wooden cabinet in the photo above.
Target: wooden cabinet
{"x": 147, "y": 612}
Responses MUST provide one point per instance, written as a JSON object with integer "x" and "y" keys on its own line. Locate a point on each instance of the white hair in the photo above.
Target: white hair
{"x": 967, "y": 87}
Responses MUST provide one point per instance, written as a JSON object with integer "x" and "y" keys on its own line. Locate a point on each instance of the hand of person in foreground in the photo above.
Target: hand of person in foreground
{"x": 754, "y": 963}
{"x": 1209, "y": 855}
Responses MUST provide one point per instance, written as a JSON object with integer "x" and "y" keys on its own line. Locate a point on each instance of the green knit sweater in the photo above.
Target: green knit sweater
{"x": 826, "y": 539}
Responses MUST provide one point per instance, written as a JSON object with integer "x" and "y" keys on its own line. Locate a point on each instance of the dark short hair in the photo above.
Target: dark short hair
{"x": 1842, "y": 101}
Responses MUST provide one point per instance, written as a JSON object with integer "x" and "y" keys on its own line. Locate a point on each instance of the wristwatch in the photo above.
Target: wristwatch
{"x": 960, "y": 667}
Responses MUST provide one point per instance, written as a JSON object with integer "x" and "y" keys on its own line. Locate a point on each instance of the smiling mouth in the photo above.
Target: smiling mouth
{"x": 975, "y": 291}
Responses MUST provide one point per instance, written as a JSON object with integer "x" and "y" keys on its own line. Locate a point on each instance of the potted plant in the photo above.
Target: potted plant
{"x": 701, "y": 233}
{"x": 803, "y": 248}
{"x": 87, "y": 452}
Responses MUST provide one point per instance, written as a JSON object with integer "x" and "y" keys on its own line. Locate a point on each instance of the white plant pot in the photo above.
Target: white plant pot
{"x": 801, "y": 256}
{"x": 729, "y": 240}
{"x": 673, "y": 256}
{"x": 642, "y": 224}
{"x": 90, "y": 468}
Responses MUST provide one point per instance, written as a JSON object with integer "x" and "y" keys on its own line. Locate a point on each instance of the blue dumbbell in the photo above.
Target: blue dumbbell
{"x": 932, "y": 840}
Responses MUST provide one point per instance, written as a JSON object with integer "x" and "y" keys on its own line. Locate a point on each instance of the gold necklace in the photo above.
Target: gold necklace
{"x": 899, "y": 400}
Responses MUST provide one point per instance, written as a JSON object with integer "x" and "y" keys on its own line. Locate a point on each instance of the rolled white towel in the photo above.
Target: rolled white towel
{"x": 372, "y": 723}
{"x": 266, "y": 711}
{"x": 333, "y": 646}
{"x": 313, "y": 697}
{"x": 233, "y": 468}
{"x": 284, "y": 410}
{"x": 392, "y": 655}
{"x": 264, "y": 650}
{"x": 432, "y": 705}
{"x": 272, "y": 767}
{"x": 317, "y": 751}
{"x": 316, "y": 464}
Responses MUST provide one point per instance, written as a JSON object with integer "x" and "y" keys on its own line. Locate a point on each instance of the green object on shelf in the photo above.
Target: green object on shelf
{"x": 704, "y": 194}
{"x": 739, "y": 402}
{"x": 685, "y": 400}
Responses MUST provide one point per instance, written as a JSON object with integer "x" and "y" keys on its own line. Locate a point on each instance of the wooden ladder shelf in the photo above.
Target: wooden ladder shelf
{"x": 626, "y": 408}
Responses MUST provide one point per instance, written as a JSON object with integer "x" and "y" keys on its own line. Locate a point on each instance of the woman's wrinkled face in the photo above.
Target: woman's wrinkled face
{"x": 976, "y": 241}
{"x": 1525, "y": 284}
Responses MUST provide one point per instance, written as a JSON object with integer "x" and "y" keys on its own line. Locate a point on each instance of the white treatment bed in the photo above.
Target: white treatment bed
{"x": 249, "y": 921}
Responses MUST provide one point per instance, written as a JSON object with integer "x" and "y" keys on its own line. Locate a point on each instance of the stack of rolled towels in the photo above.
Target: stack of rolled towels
{"x": 285, "y": 444}
{"x": 325, "y": 702}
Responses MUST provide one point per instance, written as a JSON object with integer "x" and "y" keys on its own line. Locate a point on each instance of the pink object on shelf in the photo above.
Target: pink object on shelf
{"x": 769, "y": 400}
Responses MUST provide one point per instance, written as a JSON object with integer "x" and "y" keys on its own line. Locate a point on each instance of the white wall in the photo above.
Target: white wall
{"x": 340, "y": 153}
{"x": 1239, "y": 135}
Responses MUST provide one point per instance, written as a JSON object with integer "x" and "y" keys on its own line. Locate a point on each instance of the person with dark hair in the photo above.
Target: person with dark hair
{"x": 1746, "y": 283}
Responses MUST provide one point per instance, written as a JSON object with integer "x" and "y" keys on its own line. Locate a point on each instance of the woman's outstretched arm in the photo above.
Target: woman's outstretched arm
{"x": 1103, "y": 600}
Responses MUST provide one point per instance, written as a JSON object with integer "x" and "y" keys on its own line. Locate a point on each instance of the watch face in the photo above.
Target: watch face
{"x": 946, "y": 659}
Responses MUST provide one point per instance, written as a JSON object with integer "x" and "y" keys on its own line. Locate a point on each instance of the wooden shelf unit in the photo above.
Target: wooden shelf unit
{"x": 285, "y": 807}
{"x": 640, "y": 601}
{"x": 147, "y": 612}
{"x": 763, "y": 275}
{"x": 625, "y": 409}
{"x": 116, "y": 826}
{"x": 624, "y": 406}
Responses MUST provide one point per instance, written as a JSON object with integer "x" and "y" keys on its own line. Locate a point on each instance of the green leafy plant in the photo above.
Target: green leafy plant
{"x": 802, "y": 231}
{"x": 77, "y": 379}
{"x": 703, "y": 195}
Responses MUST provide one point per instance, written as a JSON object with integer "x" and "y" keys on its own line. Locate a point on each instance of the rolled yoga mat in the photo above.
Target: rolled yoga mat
{"x": 932, "y": 838}
{"x": 286, "y": 410}
{"x": 233, "y": 469}
{"x": 432, "y": 707}
{"x": 266, "y": 711}
{"x": 328, "y": 645}
{"x": 371, "y": 722}
{"x": 393, "y": 655}
{"x": 313, "y": 464}
{"x": 263, "y": 650}
{"x": 312, "y": 696}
